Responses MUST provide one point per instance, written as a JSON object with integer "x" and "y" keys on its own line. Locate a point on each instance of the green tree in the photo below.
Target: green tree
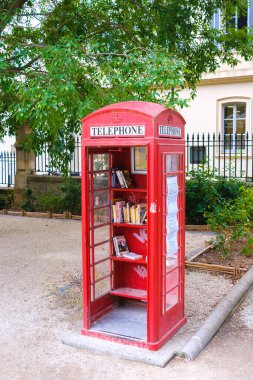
{"x": 60, "y": 60}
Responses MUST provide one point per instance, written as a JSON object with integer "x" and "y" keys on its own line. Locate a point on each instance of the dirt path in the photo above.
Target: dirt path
{"x": 36, "y": 256}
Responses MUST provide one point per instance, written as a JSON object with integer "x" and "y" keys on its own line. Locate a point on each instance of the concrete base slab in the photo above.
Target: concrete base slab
{"x": 156, "y": 358}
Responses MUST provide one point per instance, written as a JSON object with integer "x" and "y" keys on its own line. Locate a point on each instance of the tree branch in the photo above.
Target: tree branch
{"x": 31, "y": 74}
{"x": 21, "y": 68}
{"x": 32, "y": 14}
{"x": 10, "y": 12}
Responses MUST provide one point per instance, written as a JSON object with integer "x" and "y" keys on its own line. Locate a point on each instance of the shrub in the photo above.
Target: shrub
{"x": 230, "y": 222}
{"x": 201, "y": 196}
{"x": 205, "y": 192}
{"x": 71, "y": 196}
{"x": 247, "y": 250}
{"x": 2, "y": 203}
{"x": 29, "y": 200}
{"x": 50, "y": 202}
{"x": 246, "y": 193}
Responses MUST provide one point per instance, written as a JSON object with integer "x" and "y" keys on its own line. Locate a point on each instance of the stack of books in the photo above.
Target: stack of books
{"x": 123, "y": 212}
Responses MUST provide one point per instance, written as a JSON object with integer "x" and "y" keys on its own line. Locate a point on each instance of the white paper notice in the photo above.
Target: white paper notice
{"x": 171, "y": 217}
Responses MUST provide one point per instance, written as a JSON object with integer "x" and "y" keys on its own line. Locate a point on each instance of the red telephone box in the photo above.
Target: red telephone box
{"x": 133, "y": 189}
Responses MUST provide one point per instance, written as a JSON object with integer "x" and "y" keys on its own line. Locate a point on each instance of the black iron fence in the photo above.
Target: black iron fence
{"x": 7, "y": 168}
{"x": 43, "y": 162}
{"x": 229, "y": 156}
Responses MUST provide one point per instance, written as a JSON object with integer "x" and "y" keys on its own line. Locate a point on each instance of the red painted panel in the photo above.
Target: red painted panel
{"x": 131, "y": 275}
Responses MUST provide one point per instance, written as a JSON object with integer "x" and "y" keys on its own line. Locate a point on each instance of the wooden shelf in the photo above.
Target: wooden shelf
{"x": 130, "y": 293}
{"x": 129, "y": 225}
{"x": 129, "y": 189}
{"x": 126, "y": 260}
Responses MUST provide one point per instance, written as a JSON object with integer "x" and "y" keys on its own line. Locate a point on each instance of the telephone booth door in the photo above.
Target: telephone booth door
{"x": 171, "y": 177}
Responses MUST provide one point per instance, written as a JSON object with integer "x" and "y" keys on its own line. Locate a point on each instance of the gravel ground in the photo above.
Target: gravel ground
{"x": 195, "y": 241}
{"x": 36, "y": 258}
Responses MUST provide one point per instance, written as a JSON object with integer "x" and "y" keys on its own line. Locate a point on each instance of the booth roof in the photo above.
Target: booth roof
{"x": 147, "y": 108}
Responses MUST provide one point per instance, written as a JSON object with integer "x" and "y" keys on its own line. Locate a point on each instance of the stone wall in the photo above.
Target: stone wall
{"x": 26, "y": 178}
{"x": 40, "y": 184}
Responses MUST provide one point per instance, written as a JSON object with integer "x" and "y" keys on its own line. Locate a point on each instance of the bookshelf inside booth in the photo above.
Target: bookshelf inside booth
{"x": 129, "y": 276}
{"x": 126, "y": 280}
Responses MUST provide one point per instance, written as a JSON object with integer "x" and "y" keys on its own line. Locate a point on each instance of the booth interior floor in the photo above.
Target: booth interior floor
{"x": 127, "y": 320}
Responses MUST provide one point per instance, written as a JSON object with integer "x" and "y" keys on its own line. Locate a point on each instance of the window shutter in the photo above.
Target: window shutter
{"x": 250, "y": 14}
{"x": 217, "y": 20}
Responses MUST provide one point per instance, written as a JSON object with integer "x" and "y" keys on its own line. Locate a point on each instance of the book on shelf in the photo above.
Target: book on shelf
{"x": 121, "y": 248}
{"x": 121, "y": 178}
{"x": 144, "y": 217}
{"x": 119, "y": 214}
{"x": 128, "y": 178}
{"x": 132, "y": 256}
{"x": 115, "y": 182}
{"x": 120, "y": 245}
{"x": 141, "y": 213}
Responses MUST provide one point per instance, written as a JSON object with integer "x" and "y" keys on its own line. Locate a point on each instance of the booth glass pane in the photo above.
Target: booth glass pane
{"x": 92, "y": 289}
{"x": 171, "y": 218}
{"x": 171, "y": 262}
{"x": 172, "y": 298}
{"x": 100, "y": 198}
{"x": 92, "y": 276}
{"x": 102, "y": 287}
{"x": 172, "y": 163}
{"x": 101, "y": 252}
{"x": 172, "y": 201}
{"x": 171, "y": 280}
{"x": 100, "y": 162}
{"x": 91, "y": 237}
{"x": 102, "y": 269}
{"x": 101, "y": 234}
{"x": 101, "y": 180}
{"x": 101, "y": 216}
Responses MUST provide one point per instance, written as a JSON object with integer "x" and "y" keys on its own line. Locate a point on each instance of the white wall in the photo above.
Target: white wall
{"x": 203, "y": 113}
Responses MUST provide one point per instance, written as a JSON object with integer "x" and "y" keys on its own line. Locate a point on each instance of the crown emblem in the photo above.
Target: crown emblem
{"x": 170, "y": 118}
{"x": 116, "y": 118}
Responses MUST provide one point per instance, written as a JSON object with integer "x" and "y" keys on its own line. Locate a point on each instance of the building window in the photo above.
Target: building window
{"x": 234, "y": 126}
{"x": 238, "y": 21}
{"x": 197, "y": 154}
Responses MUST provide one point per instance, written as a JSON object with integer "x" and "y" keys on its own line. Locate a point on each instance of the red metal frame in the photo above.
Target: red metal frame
{"x": 162, "y": 134}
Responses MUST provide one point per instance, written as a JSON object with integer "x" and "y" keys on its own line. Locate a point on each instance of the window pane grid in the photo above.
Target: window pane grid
{"x": 234, "y": 126}
{"x": 99, "y": 206}
{"x": 171, "y": 215}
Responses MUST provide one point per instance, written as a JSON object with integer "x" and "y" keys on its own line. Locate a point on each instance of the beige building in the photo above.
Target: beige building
{"x": 223, "y": 108}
